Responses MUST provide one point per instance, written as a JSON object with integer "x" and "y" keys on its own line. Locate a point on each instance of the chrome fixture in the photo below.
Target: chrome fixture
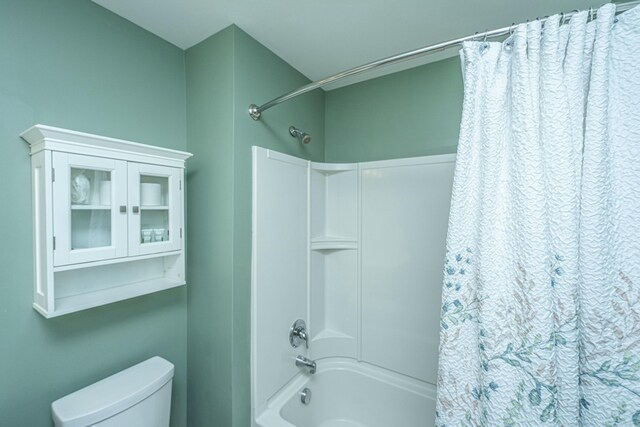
{"x": 303, "y": 137}
{"x": 303, "y": 362}
{"x": 298, "y": 333}
{"x": 305, "y": 396}
{"x": 256, "y": 111}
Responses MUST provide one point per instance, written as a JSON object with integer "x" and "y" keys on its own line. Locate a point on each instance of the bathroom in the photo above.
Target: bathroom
{"x": 76, "y": 65}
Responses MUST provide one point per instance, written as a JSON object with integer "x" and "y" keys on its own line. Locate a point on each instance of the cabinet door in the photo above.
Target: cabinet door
{"x": 89, "y": 208}
{"x": 155, "y": 197}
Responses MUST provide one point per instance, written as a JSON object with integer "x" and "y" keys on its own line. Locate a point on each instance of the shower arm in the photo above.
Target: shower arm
{"x": 256, "y": 111}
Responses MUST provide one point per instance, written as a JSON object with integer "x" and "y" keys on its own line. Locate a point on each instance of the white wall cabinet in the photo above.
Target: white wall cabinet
{"x": 108, "y": 219}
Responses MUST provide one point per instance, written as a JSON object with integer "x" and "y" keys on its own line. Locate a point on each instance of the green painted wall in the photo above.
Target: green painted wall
{"x": 72, "y": 64}
{"x": 209, "y": 230}
{"x": 225, "y": 74}
{"x": 411, "y": 113}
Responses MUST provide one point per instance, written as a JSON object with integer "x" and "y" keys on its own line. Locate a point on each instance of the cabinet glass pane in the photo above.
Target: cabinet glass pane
{"x": 154, "y": 209}
{"x": 90, "y": 208}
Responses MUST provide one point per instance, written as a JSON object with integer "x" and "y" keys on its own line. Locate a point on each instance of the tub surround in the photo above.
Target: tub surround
{"x": 356, "y": 250}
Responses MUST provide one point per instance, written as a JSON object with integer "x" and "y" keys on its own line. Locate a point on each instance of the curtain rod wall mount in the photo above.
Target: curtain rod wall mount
{"x": 255, "y": 111}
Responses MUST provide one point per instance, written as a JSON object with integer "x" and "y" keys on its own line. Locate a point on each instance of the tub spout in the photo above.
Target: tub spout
{"x": 303, "y": 362}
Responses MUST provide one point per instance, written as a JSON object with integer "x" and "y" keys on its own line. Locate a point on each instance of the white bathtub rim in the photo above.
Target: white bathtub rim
{"x": 271, "y": 416}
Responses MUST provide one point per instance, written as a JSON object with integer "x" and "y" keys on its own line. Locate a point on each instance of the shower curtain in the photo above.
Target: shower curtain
{"x": 540, "y": 322}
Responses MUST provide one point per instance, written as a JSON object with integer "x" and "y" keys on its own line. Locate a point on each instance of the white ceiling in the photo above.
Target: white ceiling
{"x": 323, "y": 37}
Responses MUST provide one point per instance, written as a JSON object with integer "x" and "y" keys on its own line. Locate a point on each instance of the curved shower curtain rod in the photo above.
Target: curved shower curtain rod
{"x": 256, "y": 111}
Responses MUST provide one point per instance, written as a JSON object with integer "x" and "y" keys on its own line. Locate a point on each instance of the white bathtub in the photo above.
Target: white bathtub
{"x": 346, "y": 393}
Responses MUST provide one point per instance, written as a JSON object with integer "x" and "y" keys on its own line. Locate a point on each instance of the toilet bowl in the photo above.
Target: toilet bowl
{"x": 139, "y": 396}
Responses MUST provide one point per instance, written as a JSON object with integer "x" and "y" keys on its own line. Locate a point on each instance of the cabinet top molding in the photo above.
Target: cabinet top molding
{"x": 42, "y": 137}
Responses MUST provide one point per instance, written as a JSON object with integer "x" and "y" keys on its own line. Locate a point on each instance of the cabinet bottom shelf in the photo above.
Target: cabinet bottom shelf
{"x": 93, "y": 286}
{"x": 70, "y": 304}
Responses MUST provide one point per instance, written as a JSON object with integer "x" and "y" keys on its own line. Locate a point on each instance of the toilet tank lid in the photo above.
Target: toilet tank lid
{"x": 112, "y": 395}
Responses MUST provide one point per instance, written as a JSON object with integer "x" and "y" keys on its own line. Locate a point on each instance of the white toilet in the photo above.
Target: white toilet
{"x": 139, "y": 396}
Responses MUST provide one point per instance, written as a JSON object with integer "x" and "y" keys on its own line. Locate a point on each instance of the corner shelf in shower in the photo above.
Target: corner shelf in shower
{"x": 327, "y": 243}
{"x": 330, "y": 333}
{"x": 329, "y": 342}
{"x": 333, "y": 262}
{"x": 329, "y": 168}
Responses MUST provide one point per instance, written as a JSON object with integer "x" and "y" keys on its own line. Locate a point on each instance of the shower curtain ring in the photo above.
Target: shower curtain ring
{"x": 484, "y": 47}
{"x": 569, "y": 15}
{"x": 508, "y": 44}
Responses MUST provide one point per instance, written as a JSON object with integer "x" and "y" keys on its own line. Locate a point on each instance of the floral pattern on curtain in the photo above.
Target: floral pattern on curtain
{"x": 540, "y": 322}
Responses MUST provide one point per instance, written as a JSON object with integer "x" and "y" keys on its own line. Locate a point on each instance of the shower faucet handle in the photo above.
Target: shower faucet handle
{"x": 298, "y": 333}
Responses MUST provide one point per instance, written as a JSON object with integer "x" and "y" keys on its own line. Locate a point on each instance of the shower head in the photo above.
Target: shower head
{"x": 303, "y": 137}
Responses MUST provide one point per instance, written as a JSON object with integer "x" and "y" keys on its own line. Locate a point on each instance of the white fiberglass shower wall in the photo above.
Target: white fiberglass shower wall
{"x": 356, "y": 251}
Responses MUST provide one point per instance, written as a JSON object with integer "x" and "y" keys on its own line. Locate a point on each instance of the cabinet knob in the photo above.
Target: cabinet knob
{"x": 123, "y": 209}
{"x": 135, "y": 209}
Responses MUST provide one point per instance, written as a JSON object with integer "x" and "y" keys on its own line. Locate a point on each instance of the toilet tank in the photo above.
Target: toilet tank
{"x": 139, "y": 396}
